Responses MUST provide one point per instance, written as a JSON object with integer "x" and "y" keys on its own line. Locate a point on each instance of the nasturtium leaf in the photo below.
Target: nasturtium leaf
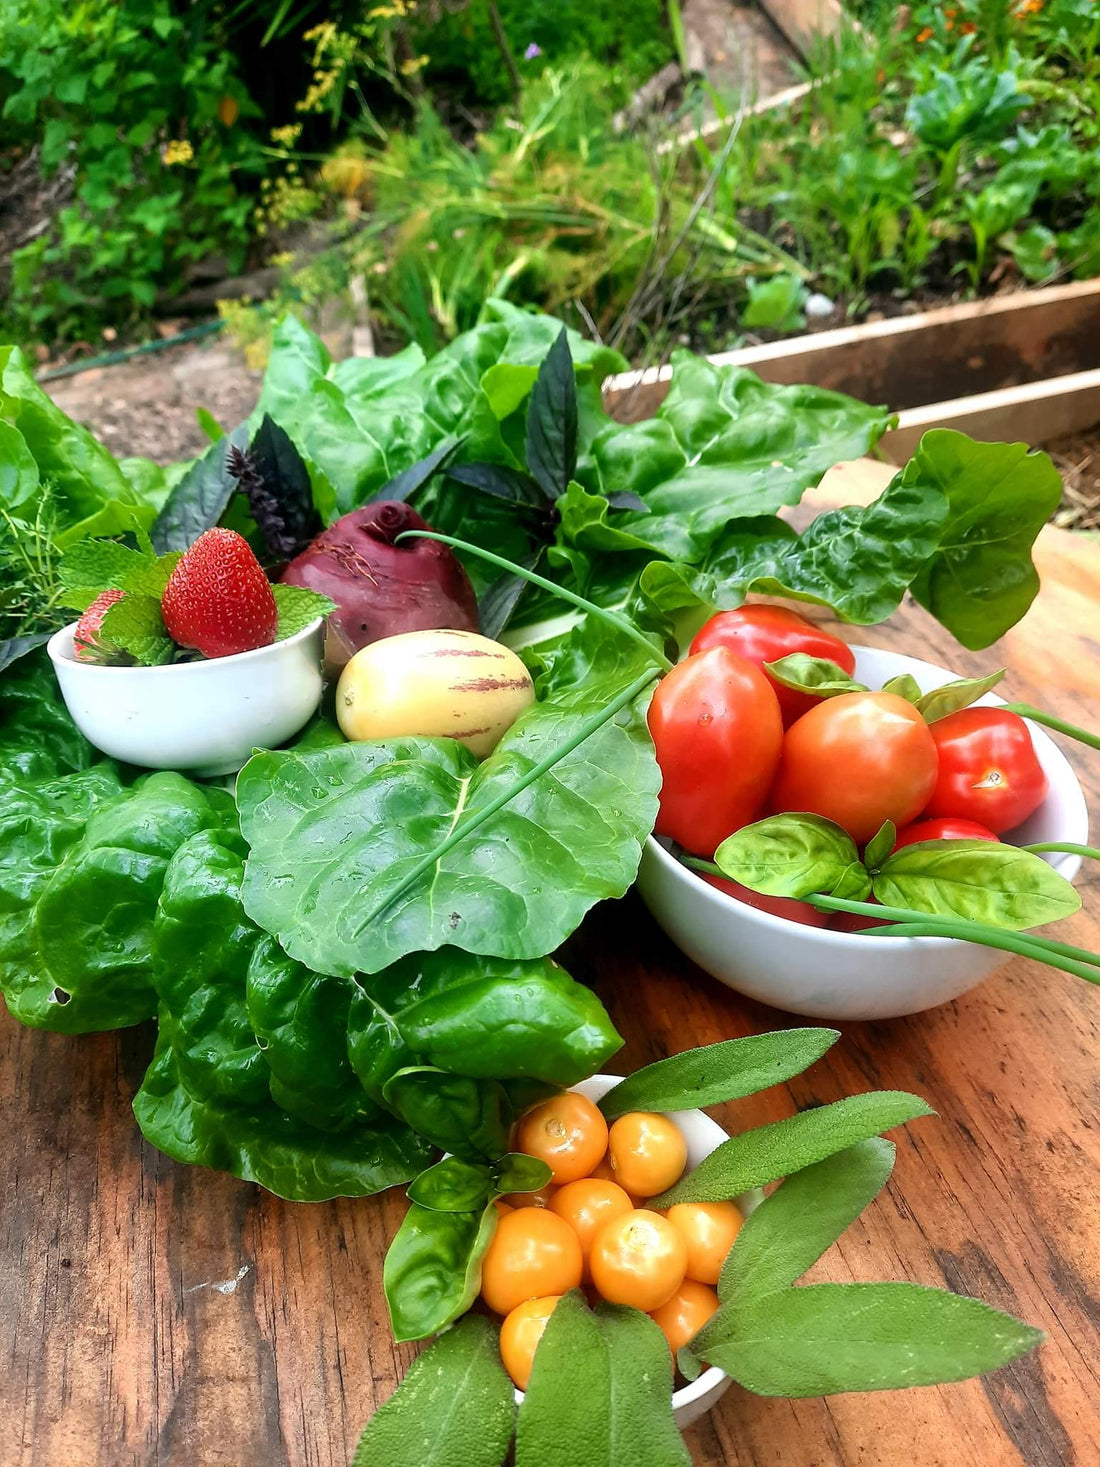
{"x": 334, "y": 832}
{"x": 817, "y": 675}
{"x": 728, "y": 1070}
{"x": 566, "y": 1413}
{"x": 821, "y": 1339}
{"x": 793, "y": 855}
{"x": 981, "y": 579}
{"x": 880, "y": 845}
{"x": 957, "y": 695}
{"x": 776, "y": 1150}
{"x": 455, "y": 1407}
{"x": 452, "y": 1185}
{"x": 981, "y": 880}
{"x": 643, "y": 1430}
{"x": 432, "y": 1272}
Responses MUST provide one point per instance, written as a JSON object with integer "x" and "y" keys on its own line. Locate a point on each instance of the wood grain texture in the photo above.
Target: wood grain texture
{"x": 156, "y": 1314}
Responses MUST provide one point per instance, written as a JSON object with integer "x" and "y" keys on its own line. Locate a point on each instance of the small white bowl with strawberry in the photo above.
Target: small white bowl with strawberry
{"x": 187, "y": 661}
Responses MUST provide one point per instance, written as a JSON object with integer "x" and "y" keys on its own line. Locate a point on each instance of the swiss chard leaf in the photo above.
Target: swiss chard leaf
{"x": 38, "y": 738}
{"x": 471, "y": 1118}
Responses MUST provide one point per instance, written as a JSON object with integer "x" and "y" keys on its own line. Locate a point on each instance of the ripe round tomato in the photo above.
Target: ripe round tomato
{"x": 989, "y": 770}
{"x": 858, "y": 759}
{"x": 520, "y": 1335}
{"x": 777, "y": 906}
{"x": 586, "y": 1205}
{"x": 717, "y": 731}
{"x": 685, "y": 1314}
{"x": 533, "y": 1253}
{"x": 638, "y": 1259}
{"x": 942, "y": 830}
{"x": 567, "y": 1132}
{"x": 647, "y": 1152}
{"x": 767, "y": 633}
{"x": 708, "y": 1229}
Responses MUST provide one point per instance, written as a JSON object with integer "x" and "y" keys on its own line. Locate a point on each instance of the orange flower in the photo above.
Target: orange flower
{"x": 950, "y": 26}
{"x": 924, "y": 35}
{"x": 967, "y": 28}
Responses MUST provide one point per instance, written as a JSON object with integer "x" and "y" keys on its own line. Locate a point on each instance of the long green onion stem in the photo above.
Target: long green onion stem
{"x": 612, "y": 618}
{"x": 1025, "y": 710}
{"x": 1067, "y": 847}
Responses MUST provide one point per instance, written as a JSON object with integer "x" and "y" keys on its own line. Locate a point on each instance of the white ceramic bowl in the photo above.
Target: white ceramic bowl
{"x": 203, "y": 718}
{"x": 837, "y": 975}
{"x": 702, "y": 1136}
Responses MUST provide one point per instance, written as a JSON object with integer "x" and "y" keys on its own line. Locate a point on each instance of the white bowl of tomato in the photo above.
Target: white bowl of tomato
{"x": 785, "y": 953}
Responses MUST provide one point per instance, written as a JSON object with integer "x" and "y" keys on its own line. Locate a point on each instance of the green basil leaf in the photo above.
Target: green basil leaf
{"x": 953, "y": 696}
{"x": 472, "y": 1118}
{"x": 805, "y": 1215}
{"x": 879, "y": 846}
{"x": 817, "y": 675}
{"x": 728, "y": 1070}
{"x": 904, "y": 686}
{"x": 776, "y": 1150}
{"x": 518, "y": 1173}
{"x": 825, "y": 1338}
{"x": 432, "y": 1272}
{"x": 789, "y": 856}
{"x": 452, "y": 1185}
{"x": 565, "y": 1417}
{"x": 552, "y": 420}
{"x": 977, "y": 880}
{"x": 643, "y": 1429}
{"x": 455, "y": 1407}
{"x": 980, "y": 580}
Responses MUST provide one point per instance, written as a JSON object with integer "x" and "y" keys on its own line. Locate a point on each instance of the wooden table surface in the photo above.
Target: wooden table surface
{"x": 154, "y": 1313}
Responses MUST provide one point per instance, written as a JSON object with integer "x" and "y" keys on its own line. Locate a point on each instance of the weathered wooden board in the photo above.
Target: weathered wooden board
{"x": 155, "y": 1314}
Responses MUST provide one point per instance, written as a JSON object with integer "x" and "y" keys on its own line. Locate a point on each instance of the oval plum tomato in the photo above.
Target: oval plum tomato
{"x": 948, "y": 829}
{"x": 717, "y": 731}
{"x": 709, "y": 1230}
{"x": 532, "y": 1253}
{"x": 638, "y": 1259}
{"x": 567, "y": 1132}
{"x": 586, "y": 1205}
{"x": 520, "y": 1335}
{"x": 767, "y": 633}
{"x": 682, "y": 1317}
{"x": 647, "y": 1152}
{"x": 858, "y": 760}
{"x": 989, "y": 770}
{"x": 777, "y": 906}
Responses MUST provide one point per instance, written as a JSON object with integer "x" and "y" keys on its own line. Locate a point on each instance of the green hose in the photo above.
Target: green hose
{"x": 112, "y": 358}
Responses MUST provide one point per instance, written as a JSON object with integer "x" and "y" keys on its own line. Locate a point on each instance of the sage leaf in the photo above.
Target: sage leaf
{"x": 452, "y": 1185}
{"x": 818, "y": 675}
{"x": 643, "y": 1429}
{"x": 977, "y": 880}
{"x": 728, "y": 1070}
{"x": 455, "y": 1407}
{"x": 552, "y": 420}
{"x": 432, "y": 1272}
{"x": 776, "y": 1150}
{"x": 565, "y": 1417}
{"x": 788, "y": 855}
{"x": 825, "y": 1338}
{"x": 954, "y": 696}
{"x": 519, "y": 1173}
{"x": 904, "y": 686}
{"x": 879, "y": 846}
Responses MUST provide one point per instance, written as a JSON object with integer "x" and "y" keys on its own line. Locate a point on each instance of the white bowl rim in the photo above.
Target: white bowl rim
{"x": 827, "y": 935}
{"x": 712, "y": 1376}
{"x": 57, "y": 654}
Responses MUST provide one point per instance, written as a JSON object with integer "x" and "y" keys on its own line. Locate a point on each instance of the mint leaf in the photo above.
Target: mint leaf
{"x": 297, "y": 607}
{"x": 92, "y": 566}
{"x": 151, "y": 578}
{"x": 135, "y": 625}
{"x": 824, "y": 1338}
{"x": 769, "y": 1152}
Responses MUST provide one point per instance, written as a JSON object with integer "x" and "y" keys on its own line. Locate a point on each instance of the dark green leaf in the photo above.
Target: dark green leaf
{"x": 452, "y": 1185}
{"x": 815, "y": 675}
{"x": 825, "y": 1338}
{"x": 627, "y": 499}
{"x": 494, "y": 610}
{"x": 472, "y": 1118}
{"x": 13, "y": 648}
{"x": 957, "y": 695}
{"x": 768, "y": 1152}
{"x": 409, "y": 480}
{"x": 879, "y": 846}
{"x": 565, "y": 1418}
{"x": 200, "y": 498}
{"x": 552, "y": 420}
{"x": 904, "y": 686}
{"x": 728, "y": 1070}
{"x": 502, "y": 482}
{"x": 792, "y": 856}
{"x": 977, "y": 879}
{"x": 432, "y": 1272}
{"x": 455, "y": 1407}
{"x": 274, "y": 477}
{"x": 38, "y": 738}
{"x": 643, "y": 1430}
{"x": 980, "y": 580}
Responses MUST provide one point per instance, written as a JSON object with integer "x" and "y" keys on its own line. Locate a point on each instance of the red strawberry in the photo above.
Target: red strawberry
{"x": 218, "y": 599}
{"x": 86, "y": 643}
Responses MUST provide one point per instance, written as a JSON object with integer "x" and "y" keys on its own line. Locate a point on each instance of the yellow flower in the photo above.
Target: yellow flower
{"x": 178, "y": 150}
{"x": 413, "y": 65}
{"x": 286, "y": 135}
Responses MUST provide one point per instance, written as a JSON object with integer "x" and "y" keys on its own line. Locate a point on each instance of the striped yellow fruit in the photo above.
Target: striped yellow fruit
{"x": 441, "y": 684}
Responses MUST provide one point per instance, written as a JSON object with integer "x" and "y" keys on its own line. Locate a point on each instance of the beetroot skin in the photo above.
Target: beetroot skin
{"x": 381, "y": 588}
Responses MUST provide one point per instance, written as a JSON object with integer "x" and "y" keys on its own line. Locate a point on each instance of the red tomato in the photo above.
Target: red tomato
{"x": 989, "y": 770}
{"x": 858, "y": 760}
{"x": 717, "y": 731}
{"x": 943, "y": 830}
{"x": 777, "y": 906}
{"x": 766, "y": 633}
